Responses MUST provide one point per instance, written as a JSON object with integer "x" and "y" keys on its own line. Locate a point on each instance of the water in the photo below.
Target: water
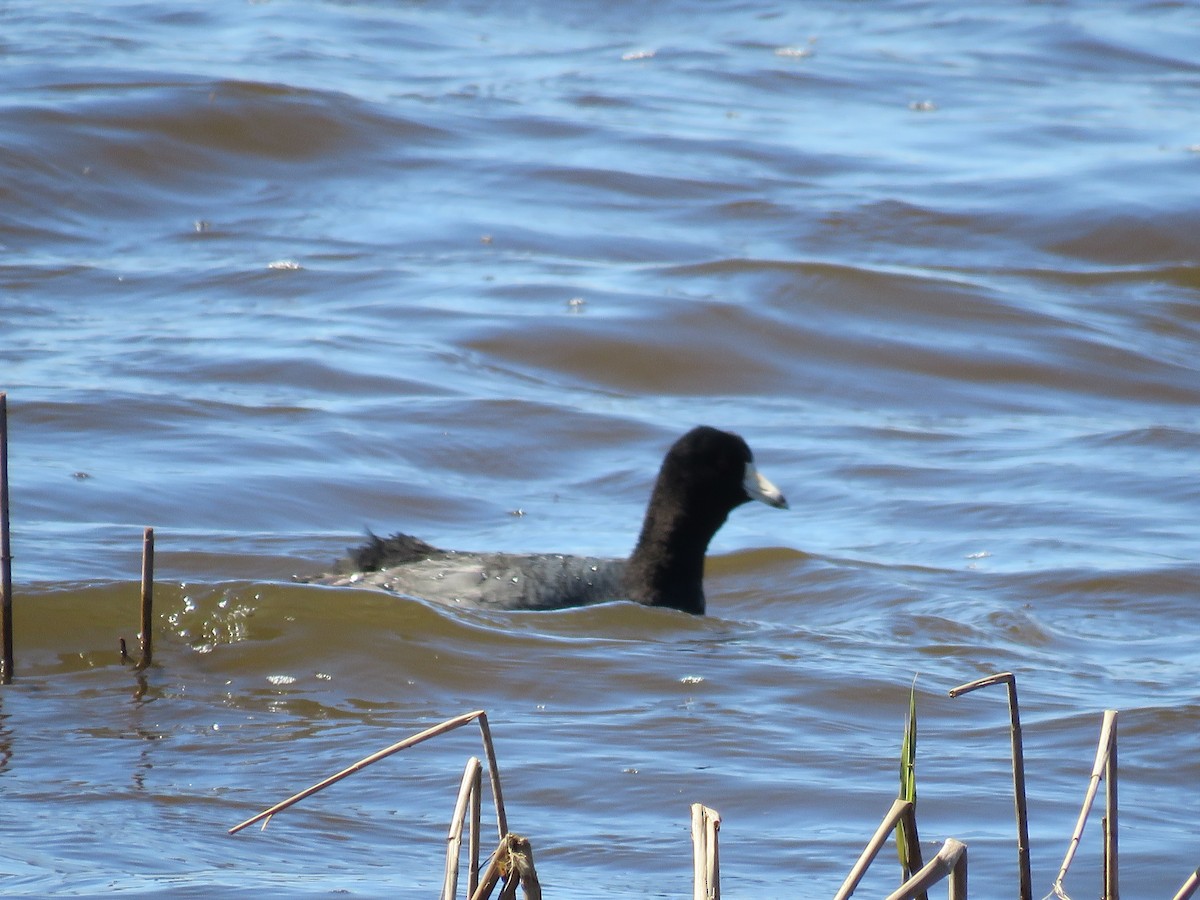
{"x": 272, "y": 273}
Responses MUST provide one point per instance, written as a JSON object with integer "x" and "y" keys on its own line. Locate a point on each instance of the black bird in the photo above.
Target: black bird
{"x": 705, "y": 475}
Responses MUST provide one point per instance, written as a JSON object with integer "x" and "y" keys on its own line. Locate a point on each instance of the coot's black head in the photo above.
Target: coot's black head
{"x": 712, "y": 472}
{"x": 706, "y": 474}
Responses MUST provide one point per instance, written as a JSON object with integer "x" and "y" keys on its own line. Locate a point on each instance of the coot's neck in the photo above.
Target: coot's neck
{"x": 667, "y": 565}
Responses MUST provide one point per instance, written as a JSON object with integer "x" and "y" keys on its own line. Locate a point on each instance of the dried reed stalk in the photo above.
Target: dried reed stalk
{"x": 489, "y": 753}
{"x": 1018, "y": 764}
{"x": 449, "y": 725}
{"x": 1189, "y": 887}
{"x": 951, "y": 861}
{"x": 1111, "y": 886}
{"x": 706, "y": 859}
{"x": 494, "y": 871}
{"x": 902, "y": 810}
{"x": 468, "y": 793}
{"x": 473, "y": 843}
{"x": 145, "y": 638}
{"x": 6, "y": 623}
{"x": 1105, "y": 763}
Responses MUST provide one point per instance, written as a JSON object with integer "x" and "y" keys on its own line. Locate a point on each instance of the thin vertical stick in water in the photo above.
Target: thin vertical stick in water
{"x": 473, "y": 842}
{"x": 1018, "y": 764}
{"x": 1111, "y": 889}
{"x": 146, "y": 636}
{"x": 6, "y": 635}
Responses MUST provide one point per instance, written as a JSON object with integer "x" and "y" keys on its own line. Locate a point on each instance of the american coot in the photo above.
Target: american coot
{"x": 705, "y": 475}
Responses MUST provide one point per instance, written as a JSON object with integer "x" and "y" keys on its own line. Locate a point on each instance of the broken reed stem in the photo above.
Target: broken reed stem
{"x": 145, "y": 638}
{"x": 468, "y": 792}
{"x": 706, "y": 858}
{"x": 6, "y": 625}
{"x": 712, "y": 825}
{"x": 951, "y": 861}
{"x": 521, "y": 862}
{"x": 493, "y": 774}
{"x": 900, "y": 809}
{"x": 1018, "y": 764}
{"x": 1107, "y": 742}
{"x": 449, "y": 725}
{"x": 512, "y": 860}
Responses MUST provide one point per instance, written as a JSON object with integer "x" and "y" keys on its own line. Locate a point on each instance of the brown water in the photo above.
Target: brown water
{"x": 272, "y": 273}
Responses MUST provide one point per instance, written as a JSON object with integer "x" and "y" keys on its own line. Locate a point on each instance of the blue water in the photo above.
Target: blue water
{"x": 273, "y": 273}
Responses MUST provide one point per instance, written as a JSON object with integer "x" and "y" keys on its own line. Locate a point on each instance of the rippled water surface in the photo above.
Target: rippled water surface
{"x": 272, "y": 273}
